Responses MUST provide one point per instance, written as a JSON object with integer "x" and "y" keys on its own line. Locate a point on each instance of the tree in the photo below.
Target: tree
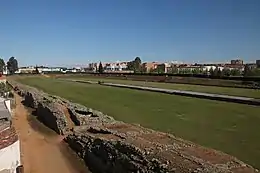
{"x": 12, "y": 65}
{"x": 256, "y": 72}
{"x": 160, "y": 69}
{"x": 206, "y": 71}
{"x": 173, "y": 70}
{"x": 2, "y": 64}
{"x": 226, "y": 72}
{"x": 130, "y": 65}
{"x": 153, "y": 70}
{"x": 196, "y": 71}
{"x": 138, "y": 60}
{"x": 215, "y": 72}
{"x": 135, "y": 65}
{"x": 252, "y": 72}
{"x": 211, "y": 71}
{"x": 219, "y": 73}
{"x": 235, "y": 72}
{"x": 247, "y": 71}
{"x": 100, "y": 68}
{"x": 37, "y": 70}
{"x": 187, "y": 71}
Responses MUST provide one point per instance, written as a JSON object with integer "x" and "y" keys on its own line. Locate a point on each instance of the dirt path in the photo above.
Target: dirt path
{"x": 67, "y": 115}
{"x": 43, "y": 150}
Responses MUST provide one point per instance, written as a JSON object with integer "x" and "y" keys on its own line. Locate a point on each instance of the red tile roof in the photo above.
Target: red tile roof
{"x": 8, "y": 137}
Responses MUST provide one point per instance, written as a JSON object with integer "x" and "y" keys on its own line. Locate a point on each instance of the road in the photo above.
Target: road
{"x": 42, "y": 150}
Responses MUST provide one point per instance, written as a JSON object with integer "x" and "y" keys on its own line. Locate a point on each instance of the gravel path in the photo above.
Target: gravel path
{"x": 43, "y": 150}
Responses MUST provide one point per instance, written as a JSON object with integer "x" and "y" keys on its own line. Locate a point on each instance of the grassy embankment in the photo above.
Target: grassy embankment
{"x": 232, "y": 128}
{"x": 254, "y": 93}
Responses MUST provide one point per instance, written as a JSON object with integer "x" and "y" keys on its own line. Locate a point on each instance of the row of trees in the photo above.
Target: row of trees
{"x": 12, "y": 65}
{"x": 196, "y": 71}
{"x": 251, "y": 72}
{"x": 225, "y": 72}
{"x": 217, "y": 72}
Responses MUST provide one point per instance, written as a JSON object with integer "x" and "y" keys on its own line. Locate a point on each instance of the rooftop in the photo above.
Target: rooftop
{"x": 5, "y": 116}
{"x": 7, "y": 133}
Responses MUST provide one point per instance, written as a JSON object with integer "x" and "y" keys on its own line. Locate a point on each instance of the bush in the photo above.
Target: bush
{"x": 100, "y": 82}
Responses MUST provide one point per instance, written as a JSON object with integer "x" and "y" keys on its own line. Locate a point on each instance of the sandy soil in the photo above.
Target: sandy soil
{"x": 42, "y": 150}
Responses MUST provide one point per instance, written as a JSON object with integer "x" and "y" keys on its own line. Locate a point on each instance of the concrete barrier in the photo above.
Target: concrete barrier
{"x": 219, "y": 97}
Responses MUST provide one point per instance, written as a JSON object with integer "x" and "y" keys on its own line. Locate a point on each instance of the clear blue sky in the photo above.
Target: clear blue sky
{"x": 58, "y": 32}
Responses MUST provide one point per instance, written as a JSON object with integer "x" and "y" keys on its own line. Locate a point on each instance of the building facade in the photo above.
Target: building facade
{"x": 162, "y": 68}
{"x": 117, "y": 66}
{"x": 10, "y": 159}
{"x": 149, "y": 66}
{"x": 109, "y": 67}
{"x": 28, "y": 70}
{"x": 237, "y": 62}
{"x": 50, "y": 69}
{"x": 258, "y": 63}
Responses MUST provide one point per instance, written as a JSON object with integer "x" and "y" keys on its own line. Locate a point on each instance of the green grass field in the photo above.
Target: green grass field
{"x": 229, "y": 127}
{"x": 198, "y": 88}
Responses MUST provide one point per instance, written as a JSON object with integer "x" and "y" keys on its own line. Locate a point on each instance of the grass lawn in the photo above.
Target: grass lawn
{"x": 230, "y": 127}
{"x": 198, "y": 88}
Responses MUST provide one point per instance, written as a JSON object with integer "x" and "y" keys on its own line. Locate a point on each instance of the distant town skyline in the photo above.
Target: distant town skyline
{"x": 65, "y": 33}
{"x": 227, "y": 61}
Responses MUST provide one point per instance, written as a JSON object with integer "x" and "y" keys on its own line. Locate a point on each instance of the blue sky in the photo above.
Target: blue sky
{"x": 63, "y": 32}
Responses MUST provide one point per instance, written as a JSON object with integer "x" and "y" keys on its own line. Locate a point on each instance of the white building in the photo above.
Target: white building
{"x": 5, "y": 70}
{"x": 208, "y": 67}
{"x": 10, "y": 158}
{"x": 49, "y": 69}
{"x": 117, "y": 66}
{"x": 29, "y": 69}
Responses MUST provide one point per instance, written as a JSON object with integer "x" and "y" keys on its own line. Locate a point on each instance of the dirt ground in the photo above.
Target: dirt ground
{"x": 42, "y": 150}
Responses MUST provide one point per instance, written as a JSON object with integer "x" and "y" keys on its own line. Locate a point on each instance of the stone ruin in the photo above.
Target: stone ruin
{"x": 111, "y": 146}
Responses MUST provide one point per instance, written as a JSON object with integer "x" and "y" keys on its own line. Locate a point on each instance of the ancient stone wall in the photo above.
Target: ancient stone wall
{"x": 107, "y": 145}
{"x": 46, "y": 108}
{"x": 55, "y": 112}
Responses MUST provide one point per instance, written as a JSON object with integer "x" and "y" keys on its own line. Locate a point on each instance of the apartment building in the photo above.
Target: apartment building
{"x": 30, "y": 69}
{"x": 117, "y": 66}
{"x": 149, "y": 66}
{"x": 109, "y": 67}
{"x": 93, "y": 66}
{"x": 163, "y": 67}
{"x": 189, "y": 68}
{"x": 239, "y": 67}
{"x": 258, "y": 63}
{"x": 237, "y": 62}
{"x": 50, "y": 69}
